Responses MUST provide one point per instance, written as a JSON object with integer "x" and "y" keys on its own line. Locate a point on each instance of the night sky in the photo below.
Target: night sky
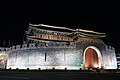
{"x": 101, "y": 16}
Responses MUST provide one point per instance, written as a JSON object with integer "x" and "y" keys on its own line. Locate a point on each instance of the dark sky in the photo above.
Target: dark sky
{"x": 101, "y": 16}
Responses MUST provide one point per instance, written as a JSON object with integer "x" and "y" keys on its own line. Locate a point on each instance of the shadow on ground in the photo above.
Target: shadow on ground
{"x": 59, "y": 75}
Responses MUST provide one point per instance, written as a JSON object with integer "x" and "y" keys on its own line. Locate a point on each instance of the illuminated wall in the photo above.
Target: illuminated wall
{"x": 44, "y": 58}
{"x": 60, "y": 56}
{"x": 3, "y": 59}
{"x": 109, "y": 58}
{"x": 106, "y": 54}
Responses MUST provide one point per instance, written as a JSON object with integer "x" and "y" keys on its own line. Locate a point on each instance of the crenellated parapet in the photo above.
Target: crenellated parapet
{"x": 40, "y": 45}
{"x": 110, "y": 48}
{"x": 109, "y": 57}
{"x": 2, "y": 49}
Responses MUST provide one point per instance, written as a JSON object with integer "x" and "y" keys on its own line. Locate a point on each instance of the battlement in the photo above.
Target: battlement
{"x": 38, "y": 45}
{"x": 110, "y": 48}
{"x": 4, "y": 49}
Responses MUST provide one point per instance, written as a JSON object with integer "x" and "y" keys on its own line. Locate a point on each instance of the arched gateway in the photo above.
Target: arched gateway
{"x": 48, "y": 47}
{"x": 92, "y": 57}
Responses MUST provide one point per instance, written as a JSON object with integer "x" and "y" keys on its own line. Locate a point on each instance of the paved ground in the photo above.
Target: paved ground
{"x": 57, "y": 75}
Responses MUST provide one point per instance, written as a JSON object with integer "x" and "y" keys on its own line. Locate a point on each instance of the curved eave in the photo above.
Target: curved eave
{"x": 48, "y": 26}
{"x": 88, "y": 35}
{"x": 90, "y": 32}
{"x": 93, "y": 35}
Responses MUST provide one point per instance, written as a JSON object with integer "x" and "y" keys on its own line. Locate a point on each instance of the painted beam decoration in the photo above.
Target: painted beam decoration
{"x": 48, "y": 47}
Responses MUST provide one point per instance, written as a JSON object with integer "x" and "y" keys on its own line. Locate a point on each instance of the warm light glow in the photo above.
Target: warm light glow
{"x": 3, "y": 59}
{"x": 96, "y": 65}
{"x": 96, "y": 57}
{"x": 91, "y": 58}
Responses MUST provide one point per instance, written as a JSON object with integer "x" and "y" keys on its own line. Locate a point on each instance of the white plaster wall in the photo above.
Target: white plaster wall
{"x": 35, "y": 58}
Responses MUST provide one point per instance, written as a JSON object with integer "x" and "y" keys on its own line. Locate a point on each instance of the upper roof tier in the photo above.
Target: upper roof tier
{"x": 82, "y": 32}
{"x": 43, "y": 26}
